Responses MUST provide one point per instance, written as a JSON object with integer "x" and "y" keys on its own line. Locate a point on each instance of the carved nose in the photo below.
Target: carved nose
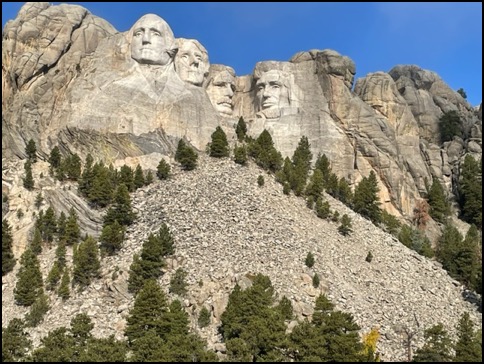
{"x": 146, "y": 37}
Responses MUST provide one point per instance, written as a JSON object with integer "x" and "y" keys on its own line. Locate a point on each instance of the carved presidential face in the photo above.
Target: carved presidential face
{"x": 191, "y": 62}
{"x": 221, "y": 90}
{"x": 152, "y": 39}
{"x": 272, "y": 91}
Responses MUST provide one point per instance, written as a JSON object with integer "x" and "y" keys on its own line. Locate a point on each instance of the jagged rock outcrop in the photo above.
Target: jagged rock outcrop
{"x": 226, "y": 229}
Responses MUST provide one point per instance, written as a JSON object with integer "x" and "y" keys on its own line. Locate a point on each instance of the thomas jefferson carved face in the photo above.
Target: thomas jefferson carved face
{"x": 152, "y": 40}
{"x": 221, "y": 90}
{"x": 191, "y": 61}
{"x": 272, "y": 91}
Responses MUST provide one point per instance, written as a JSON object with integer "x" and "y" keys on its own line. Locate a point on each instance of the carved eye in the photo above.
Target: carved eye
{"x": 184, "y": 56}
{"x": 156, "y": 33}
{"x": 260, "y": 87}
{"x": 138, "y": 33}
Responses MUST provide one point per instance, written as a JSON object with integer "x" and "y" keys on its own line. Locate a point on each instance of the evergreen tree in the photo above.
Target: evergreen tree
{"x": 467, "y": 348}
{"x": 186, "y": 156}
{"x": 126, "y": 177}
{"x": 316, "y": 280}
{"x": 31, "y": 151}
{"x": 392, "y": 225}
{"x": 112, "y": 237}
{"x": 366, "y": 198}
{"x": 61, "y": 226}
{"x": 322, "y": 163}
{"x": 260, "y": 180}
{"x": 301, "y": 160}
{"x": 470, "y": 190}
{"x": 149, "y": 178}
{"x": 204, "y": 317}
{"x": 240, "y": 155}
{"x": 345, "y": 228}
{"x": 471, "y": 261}
{"x": 264, "y": 153}
{"x": 28, "y": 179}
{"x": 316, "y": 185}
{"x": 148, "y": 312}
{"x": 309, "y": 261}
{"x": 439, "y": 206}
{"x": 38, "y": 200}
{"x": 49, "y": 225}
{"x": 285, "y": 308}
{"x": 87, "y": 176}
{"x": 29, "y": 279}
{"x": 55, "y": 158}
{"x": 461, "y": 92}
{"x": 36, "y": 244}
{"x": 345, "y": 194}
{"x": 73, "y": 231}
{"x": 86, "y": 263}
{"x": 60, "y": 254}
{"x": 163, "y": 170}
{"x": 450, "y": 126}
{"x": 100, "y": 192}
{"x": 178, "y": 284}
{"x": 448, "y": 248}
{"x": 219, "y": 146}
{"x": 53, "y": 277}
{"x": 64, "y": 291}
{"x": 81, "y": 327}
{"x": 72, "y": 167}
{"x": 139, "y": 178}
{"x": 103, "y": 350}
{"x": 437, "y": 346}
{"x": 136, "y": 275}
{"x": 37, "y": 311}
{"x": 241, "y": 129}
{"x": 15, "y": 342}
{"x": 322, "y": 208}
{"x": 8, "y": 259}
{"x": 122, "y": 210}
{"x": 57, "y": 346}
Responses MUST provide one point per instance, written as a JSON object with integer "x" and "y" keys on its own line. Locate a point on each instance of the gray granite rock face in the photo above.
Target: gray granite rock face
{"x": 70, "y": 79}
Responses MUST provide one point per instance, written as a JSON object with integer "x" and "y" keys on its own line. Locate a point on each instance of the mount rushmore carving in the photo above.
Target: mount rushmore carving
{"x": 84, "y": 86}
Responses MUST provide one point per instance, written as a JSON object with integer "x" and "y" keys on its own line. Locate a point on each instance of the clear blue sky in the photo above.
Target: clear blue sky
{"x": 442, "y": 37}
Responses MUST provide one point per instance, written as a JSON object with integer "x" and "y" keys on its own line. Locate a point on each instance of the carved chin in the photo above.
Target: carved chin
{"x": 225, "y": 109}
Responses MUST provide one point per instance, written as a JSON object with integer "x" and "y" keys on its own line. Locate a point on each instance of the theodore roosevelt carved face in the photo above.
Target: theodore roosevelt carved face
{"x": 191, "y": 61}
{"x": 152, "y": 41}
{"x": 221, "y": 88}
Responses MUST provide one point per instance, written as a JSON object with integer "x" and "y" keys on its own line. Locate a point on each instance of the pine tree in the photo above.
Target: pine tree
{"x": 204, "y": 317}
{"x": 470, "y": 191}
{"x": 31, "y": 151}
{"x": 316, "y": 185}
{"x": 37, "y": 311}
{"x": 241, "y": 129}
{"x": 439, "y": 206}
{"x": 467, "y": 348}
{"x": 15, "y": 341}
{"x": 219, "y": 146}
{"x": 28, "y": 179}
{"x": 186, "y": 156}
{"x": 285, "y": 308}
{"x": 139, "y": 178}
{"x": 64, "y": 291}
{"x": 72, "y": 167}
{"x": 55, "y": 158}
{"x": 322, "y": 208}
{"x": 57, "y": 346}
{"x": 49, "y": 225}
{"x": 38, "y": 200}
{"x": 81, "y": 327}
{"x": 448, "y": 248}
{"x": 366, "y": 201}
{"x": 8, "y": 259}
{"x": 73, "y": 231}
{"x": 345, "y": 228}
{"x": 126, "y": 177}
{"x": 149, "y": 178}
{"x": 163, "y": 170}
{"x": 316, "y": 280}
{"x": 322, "y": 163}
{"x": 240, "y": 155}
{"x": 122, "y": 210}
{"x": 36, "y": 244}
{"x": 450, "y": 126}
{"x": 345, "y": 194}
{"x": 87, "y": 177}
{"x": 148, "y": 312}
{"x": 60, "y": 254}
{"x": 437, "y": 346}
{"x": 309, "y": 261}
{"x": 112, "y": 237}
{"x": 301, "y": 160}
{"x": 86, "y": 263}
{"x": 29, "y": 279}
{"x": 53, "y": 277}
{"x": 178, "y": 284}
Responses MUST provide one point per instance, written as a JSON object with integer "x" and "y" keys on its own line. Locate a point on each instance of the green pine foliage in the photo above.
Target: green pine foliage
{"x": 345, "y": 194}
{"x": 60, "y": 254}
{"x": 204, "y": 317}
{"x": 139, "y": 177}
{"x": 86, "y": 263}
{"x": 53, "y": 277}
{"x": 241, "y": 129}
{"x": 48, "y": 225}
{"x": 366, "y": 201}
{"x": 316, "y": 280}
{"x": 416, "y": 240}
{"x": 391, "y": 223}
{"x": 72, "y": 232}
{"x": 36, "y": 244}
{"x": 285, "y": 308}
{"x": 31, "y": 151}
{"x": 461, "y": 92}
{"x": 55, "y": 158}
{"x": 309, "y": 261}
{"x": 57, "y": 346}
{"x": 346, "y": 227}
{"x": 99, "y": 350}
{"x": 71, "y": 167}
{"x": 260, "y": 180}
{"x": 38, "y": 200}
{"x": 163, "y": 170}
{"x": 450, "y": 126}
{"x": 81, "y": 327}
{"x": 178, "y": 284}
{"x": 8, "y": 259}
{"x": 15, "y": 342}
{"x": 64, "y": 291}
{"x": 467, "y": 348}
{"x": 315, "y": 187}
{"x": 437, "y": 347}
{"x": 186, "y": 156}
{"x": 37, "y": 311}
{"x": 264, "y": 153}
{"x": 28, "y": 180}
{"x": 29, "y": 284}
{"x": 470, "y": 190}
{"x": 301, "y": 162}
{"x": 219, "y": 146}
{"x": 323, "y": 209}
{"x": 240, "y": 155}
{"x": 112, "y": 238}
{"x": 126, "y": 177}
{"x": 439, "y": 205}
{"x": 121, "y": 211}
{"x": 148, "y": 312}
{"x": 149, "y": 178}
{"x": 99, "y": 185}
